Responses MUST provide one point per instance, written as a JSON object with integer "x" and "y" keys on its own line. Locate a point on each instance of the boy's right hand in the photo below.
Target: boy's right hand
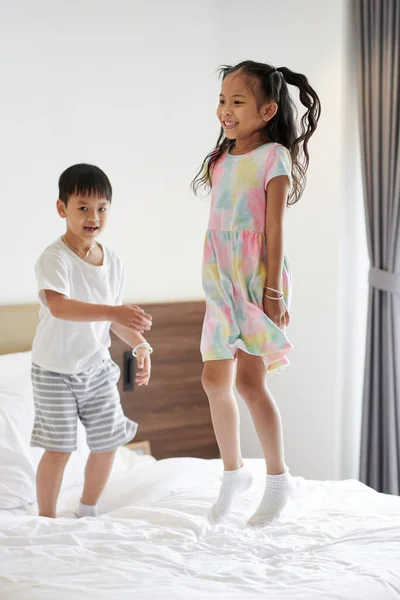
{"x": 132, "y": 317}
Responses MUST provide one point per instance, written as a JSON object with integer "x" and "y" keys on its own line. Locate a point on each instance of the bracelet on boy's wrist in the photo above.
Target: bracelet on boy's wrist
{"x": 142, "y": 345}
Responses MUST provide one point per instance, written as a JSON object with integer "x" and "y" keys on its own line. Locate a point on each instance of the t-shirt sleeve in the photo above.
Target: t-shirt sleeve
{"x": 52, "y": 274}
{"x": 279, "y": 162}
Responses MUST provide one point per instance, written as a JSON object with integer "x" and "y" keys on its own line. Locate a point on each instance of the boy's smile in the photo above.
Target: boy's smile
{"x": 86, "y": 216}
{"x": 90, "y": 229}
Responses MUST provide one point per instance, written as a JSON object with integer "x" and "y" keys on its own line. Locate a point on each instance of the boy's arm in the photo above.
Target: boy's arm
{"x": 130, "y": 337}
{"x": 133, "y": 338}
{"x": 62, "y": 307}
{"x": 132, "y": 318}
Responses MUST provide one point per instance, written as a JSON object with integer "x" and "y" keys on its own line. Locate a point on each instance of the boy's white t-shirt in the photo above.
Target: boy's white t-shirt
{"x": 72, "y": 347}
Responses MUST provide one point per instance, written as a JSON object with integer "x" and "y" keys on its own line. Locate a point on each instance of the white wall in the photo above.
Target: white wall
{"x": 354, "y": 264}
{"x": 127, "y": 85}
{"x": 319, "y": 395}
{"x": 131, "y": 86}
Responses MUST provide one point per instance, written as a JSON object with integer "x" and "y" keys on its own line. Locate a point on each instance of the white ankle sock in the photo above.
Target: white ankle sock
{"x": 233, "y": 483}
{"x": 277, "y": 492}
{"x": 86, "y": 510}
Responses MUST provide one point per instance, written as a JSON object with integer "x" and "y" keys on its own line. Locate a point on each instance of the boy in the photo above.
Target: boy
{"x": 80, "y": 286}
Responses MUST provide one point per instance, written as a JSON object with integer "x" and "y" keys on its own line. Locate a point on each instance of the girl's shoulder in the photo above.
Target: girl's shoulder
{"x": 265, "y": 156}
{"x": 261, "y": 153}
{"x": 276, "y": 149}
{"x": 277, "y": 153}
{"x": 278, "y": 162}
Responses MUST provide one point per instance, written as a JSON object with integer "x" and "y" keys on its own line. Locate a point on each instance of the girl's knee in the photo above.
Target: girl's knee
{"x": 209, "y": 383}
{"x": 217, "y": 378}
{"x": 249, "y": 387}
{"x": 214, "y": 385}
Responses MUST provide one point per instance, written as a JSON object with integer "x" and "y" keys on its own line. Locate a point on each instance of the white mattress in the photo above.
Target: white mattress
{"x": 337, "y": 540}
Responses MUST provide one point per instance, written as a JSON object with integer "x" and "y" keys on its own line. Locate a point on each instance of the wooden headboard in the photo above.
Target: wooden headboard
{"x": 18, "y": 324}
{"x": 172, "y": 411}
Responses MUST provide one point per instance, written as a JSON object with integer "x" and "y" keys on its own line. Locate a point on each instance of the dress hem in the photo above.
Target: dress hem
{"x": 275, "y": 363}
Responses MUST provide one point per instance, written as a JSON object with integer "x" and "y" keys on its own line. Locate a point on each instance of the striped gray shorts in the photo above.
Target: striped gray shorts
{"x": 91, "y": 396}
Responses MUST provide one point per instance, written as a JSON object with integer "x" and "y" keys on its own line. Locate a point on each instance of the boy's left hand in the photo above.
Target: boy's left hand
{"x": 143, "y": 362}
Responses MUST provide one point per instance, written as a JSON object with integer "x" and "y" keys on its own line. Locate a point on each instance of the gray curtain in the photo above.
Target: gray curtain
{"x": 377, "y": 38}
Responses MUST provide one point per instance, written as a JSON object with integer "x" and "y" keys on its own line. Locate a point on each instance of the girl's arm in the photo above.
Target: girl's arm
{"x": 276, "y": 202}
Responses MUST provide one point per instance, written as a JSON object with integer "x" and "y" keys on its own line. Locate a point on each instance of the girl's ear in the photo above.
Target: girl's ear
{"x": 268, "y": 111}
{"x": 61, "y": 209}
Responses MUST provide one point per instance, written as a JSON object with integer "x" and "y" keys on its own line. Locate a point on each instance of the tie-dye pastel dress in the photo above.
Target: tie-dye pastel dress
{"x": 234, "y": 261}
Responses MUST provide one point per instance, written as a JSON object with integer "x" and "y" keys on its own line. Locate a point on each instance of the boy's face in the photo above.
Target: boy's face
{"x": 86, "y": 215}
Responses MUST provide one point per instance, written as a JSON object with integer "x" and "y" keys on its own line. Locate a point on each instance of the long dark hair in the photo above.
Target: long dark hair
{"x": 282, "y": 128}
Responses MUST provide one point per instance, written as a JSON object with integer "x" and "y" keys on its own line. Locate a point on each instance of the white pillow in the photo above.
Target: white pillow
{"x": 18, "y": 460}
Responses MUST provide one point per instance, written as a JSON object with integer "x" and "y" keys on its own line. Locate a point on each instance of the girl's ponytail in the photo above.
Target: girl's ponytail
{"x": 285, "y": 120}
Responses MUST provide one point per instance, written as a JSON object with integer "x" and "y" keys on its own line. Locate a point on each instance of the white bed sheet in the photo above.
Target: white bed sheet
{"x": 336, "y": 540}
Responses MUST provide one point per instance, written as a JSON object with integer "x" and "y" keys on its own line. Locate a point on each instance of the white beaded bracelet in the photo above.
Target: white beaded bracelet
{"x": 272, "y": 290}
{"x": 280, "y": 297}
{"x": 142, "y": 345}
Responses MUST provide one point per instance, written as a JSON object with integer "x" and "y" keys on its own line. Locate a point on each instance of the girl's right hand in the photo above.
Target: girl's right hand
{"x": 277, "y": 311}
{"x": 132, "y": 317}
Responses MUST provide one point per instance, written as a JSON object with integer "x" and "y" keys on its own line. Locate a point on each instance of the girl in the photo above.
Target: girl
{"x": 257, "y": 169}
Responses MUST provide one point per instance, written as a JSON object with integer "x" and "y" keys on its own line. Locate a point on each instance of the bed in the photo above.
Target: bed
{"x": 336, "y": 540}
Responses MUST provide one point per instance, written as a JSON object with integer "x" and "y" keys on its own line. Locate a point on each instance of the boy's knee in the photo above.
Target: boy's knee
{"x": 102, "y": 457}
{"x": 56, "y": 457}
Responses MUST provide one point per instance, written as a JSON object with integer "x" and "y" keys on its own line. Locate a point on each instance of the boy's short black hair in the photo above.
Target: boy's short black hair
{"x": 84, "y": 180}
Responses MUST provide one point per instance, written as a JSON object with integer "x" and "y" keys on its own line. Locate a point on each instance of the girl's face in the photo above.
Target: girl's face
{"x": 240, "y": 115}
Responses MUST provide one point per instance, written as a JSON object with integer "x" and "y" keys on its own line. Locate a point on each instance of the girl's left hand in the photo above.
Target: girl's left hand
{"x": 277, "y": 311}
{"x": 143, "y": 362}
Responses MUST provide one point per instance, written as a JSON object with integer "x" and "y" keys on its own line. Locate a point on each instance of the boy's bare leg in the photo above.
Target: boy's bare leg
{"x": 97, "y": 472}
{"x": 48, "y": 481}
